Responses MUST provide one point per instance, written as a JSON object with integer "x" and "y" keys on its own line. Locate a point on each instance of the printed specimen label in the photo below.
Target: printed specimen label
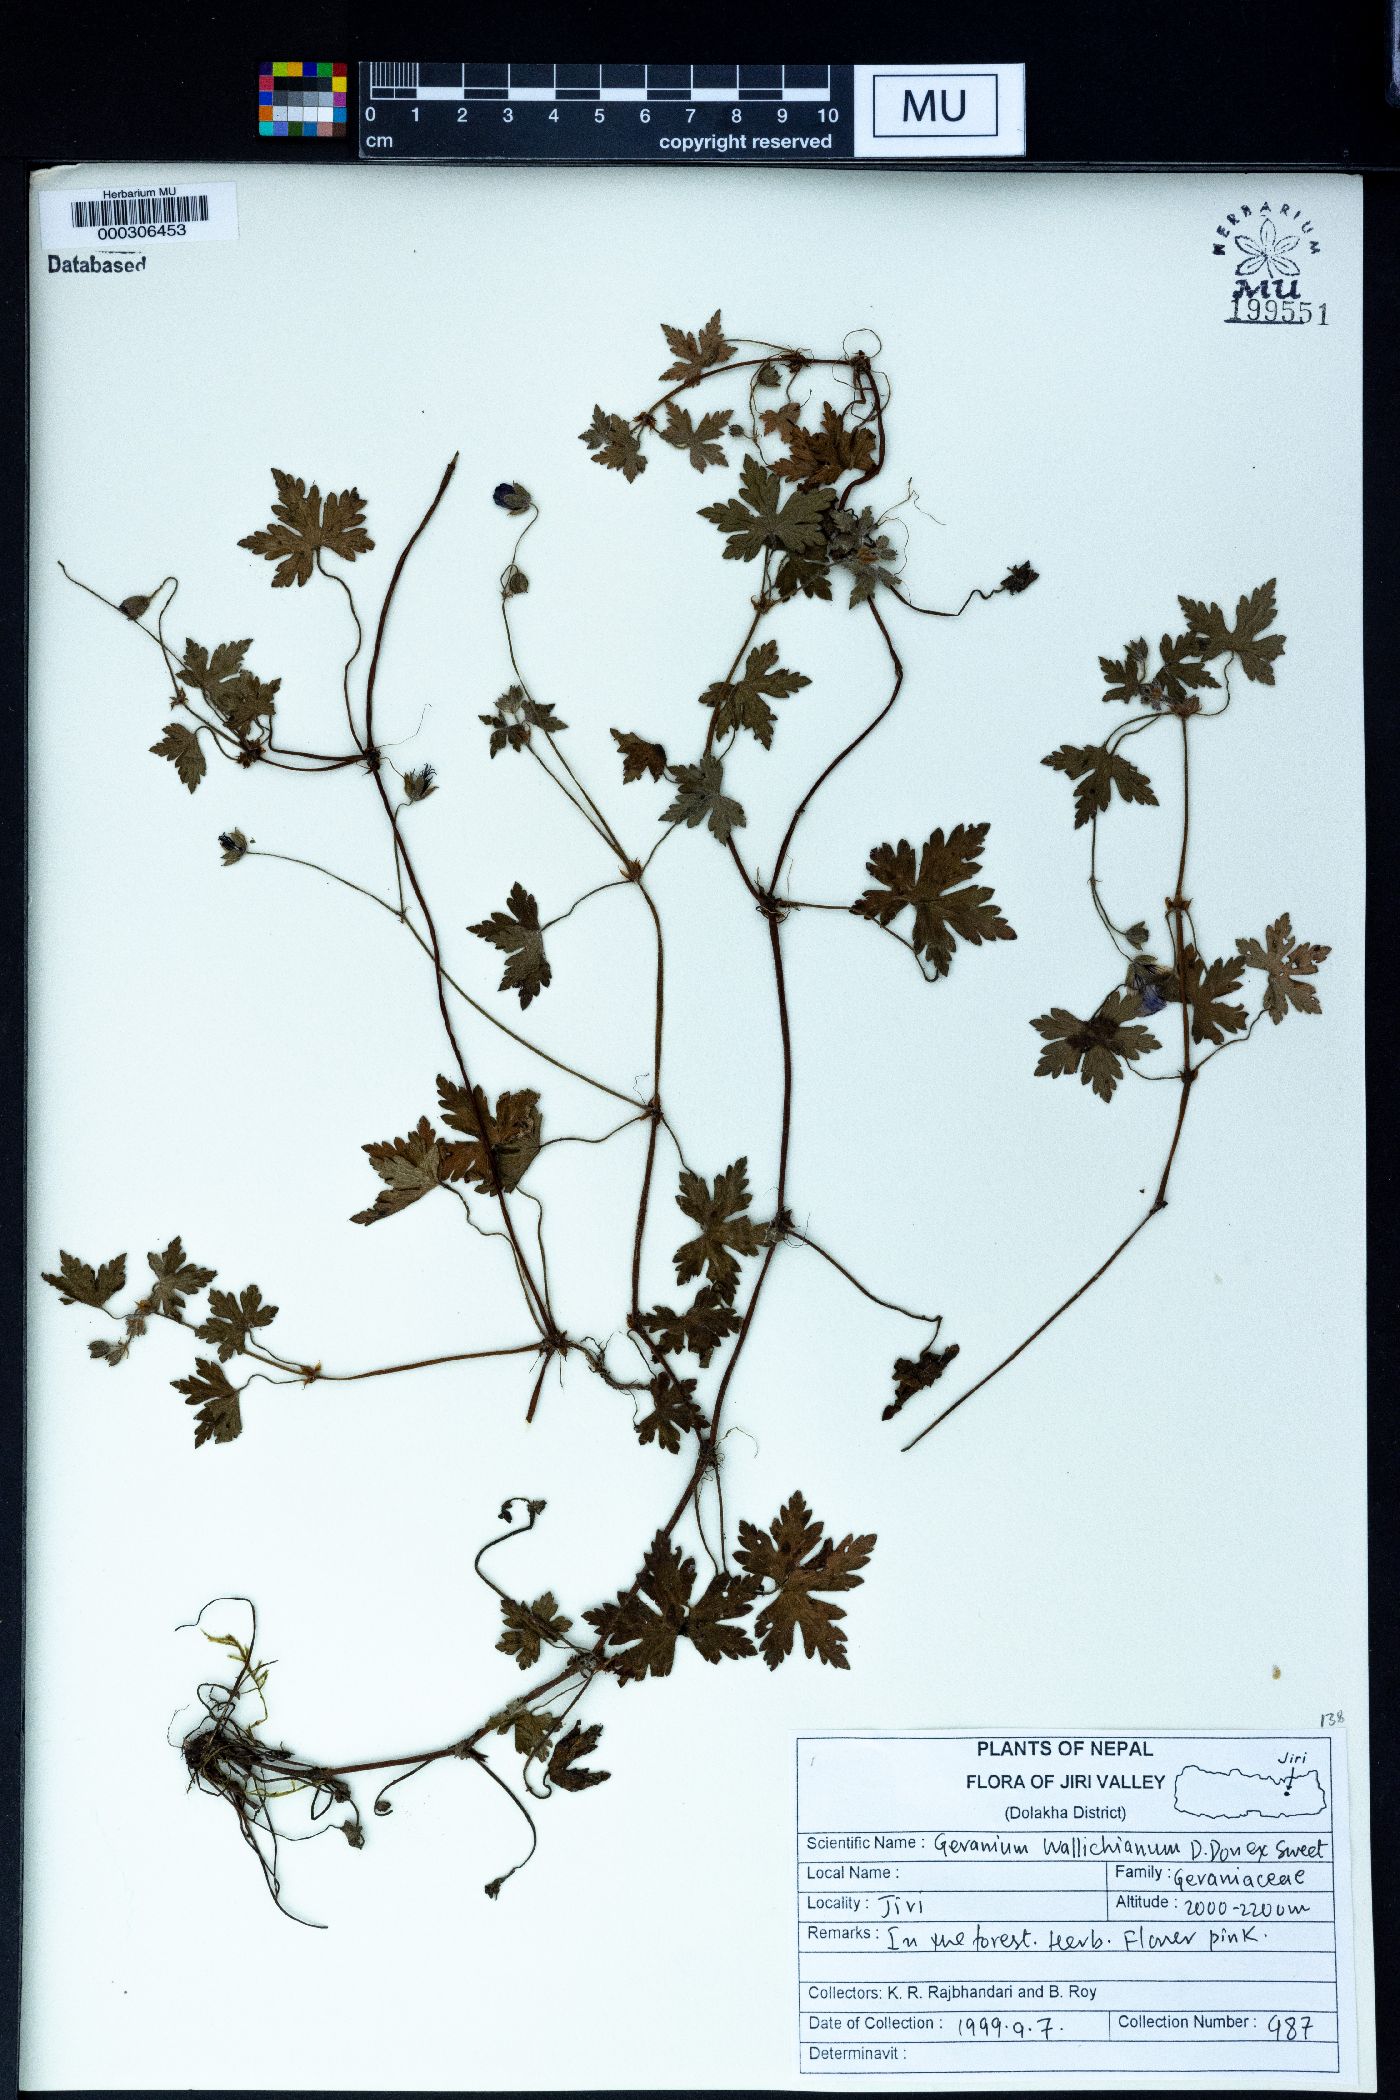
{"x": 1068, "y": 1903}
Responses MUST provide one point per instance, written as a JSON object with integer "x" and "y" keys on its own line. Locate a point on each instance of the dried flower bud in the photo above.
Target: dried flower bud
{"x": 136, "y": 607}
{"x": 1018, "y": 579}
{"x": 1149, "y": 982}
{"x": 417, "y": 786}
{"x": 512, "y": 496}
{"x": 514, "y": 582}
{"x": 768, "y": 375}
{"x": 235, "y": 845}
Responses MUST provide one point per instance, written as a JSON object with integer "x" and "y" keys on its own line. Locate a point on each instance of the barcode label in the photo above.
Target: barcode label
{"x": 137, "y": 211}
{"x": 144, "y": 215}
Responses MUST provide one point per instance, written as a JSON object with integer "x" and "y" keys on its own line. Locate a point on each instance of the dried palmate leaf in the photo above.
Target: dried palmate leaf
{"x": 697, "y": 439}
{"x": 213, "y": 672}
{"x": 817, "y": 457}
{"x": 793, "y": 1555}
{"x": 916, "y": 1374}
{"x": 726, "y": 1229}
{"x": 1285, "y": 961}
{"x": 647, "y": 1621}
{"x": 708, "y": 1623}
{"x": 1123, "y": 677}
{"x": 1096, "y": 771}
{"x": 695, "y": 354}
{"x": 758, "y": 517}
{"x": 528, "y": 1626}
{"x": 1212, "y": 635}
{"x": 564, "y": 1769}
{"x": 516, "y": 931}
{"x": 638, "y": 756}
{"x": 742, "y": 703}
{"x": 207, "y": 1389}
{"x": 699, "y": 1327}
{"x": 1180, "y": 676}
{"x": 946, "y": 906}
{"x": 78, "y": 1283}
{"x": 613, "y": 443}
{"x": 1208, "y": 988}
{"x": 176, "y": 1279}
{"x": 674, "y": 1413}
{"x": 1096, "y": 1048}
{"x": 182, "y": 747}
{"x": 512, "y": 1133}
{"x": 232, "y": 1319}
{"x": 514, "y": 716}
{"x": 304, "y": 523}
{"x": 700, "y": 799}
{"x": 409, "y": 1166}
{"x": 531, "y": 1730}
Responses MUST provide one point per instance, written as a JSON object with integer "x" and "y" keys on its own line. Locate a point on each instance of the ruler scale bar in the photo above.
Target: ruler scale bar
{"x": 784, "y": 115}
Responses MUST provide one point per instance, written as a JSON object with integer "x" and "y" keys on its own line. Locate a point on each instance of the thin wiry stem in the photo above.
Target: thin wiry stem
{"x": 324, "y": 762}
{"x": 845, "y": 752}
{"x": 1177, "y": 905}
{"x": 546, "y": 1056}
{"x": 314, "y": 1374}
{"x": 535, "y": 1296}
{"x": 552, "y": 1344}
{"x": 332, "y": 576}
{"x": 924, "y": 1319}
{"x": 619, "y": 882}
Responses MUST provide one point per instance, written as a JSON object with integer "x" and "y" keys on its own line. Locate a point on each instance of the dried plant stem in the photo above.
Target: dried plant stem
{"x": 808, "y": 536}
{"x": 888, "y": 1304}
{"x": 654, "y": 1106}
{"x": 536, "y": 1294}
{"x": 775, "y": 944}
{"x": 846, "y": 751}
{"x": 546, "y": 1056}
{"x": 227, "y": 742}
{"x": 633, "y": 872}
{"x": 1177, "y": 908}
{"x": 313, "y": 1374}
{"x": 596, "y": 1660}
{"x": 332, "y": 577}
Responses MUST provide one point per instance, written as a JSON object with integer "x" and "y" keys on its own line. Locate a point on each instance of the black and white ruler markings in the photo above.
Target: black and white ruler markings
{"x": 782, "y": 115}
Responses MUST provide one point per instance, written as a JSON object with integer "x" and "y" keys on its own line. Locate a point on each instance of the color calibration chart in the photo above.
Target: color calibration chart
{"x": 302, "y": 98}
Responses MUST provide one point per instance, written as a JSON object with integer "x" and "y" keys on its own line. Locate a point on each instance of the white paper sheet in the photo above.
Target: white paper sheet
{"x": 1157, "y": 1517}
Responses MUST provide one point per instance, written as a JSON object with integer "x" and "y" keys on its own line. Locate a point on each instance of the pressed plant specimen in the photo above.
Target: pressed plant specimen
{"x": 807, "y": 436}
{"x": 1113, "y": 1040}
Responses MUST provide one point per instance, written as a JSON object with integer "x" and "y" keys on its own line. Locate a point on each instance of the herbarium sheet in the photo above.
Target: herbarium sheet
{"x": 696, "y": 1086}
